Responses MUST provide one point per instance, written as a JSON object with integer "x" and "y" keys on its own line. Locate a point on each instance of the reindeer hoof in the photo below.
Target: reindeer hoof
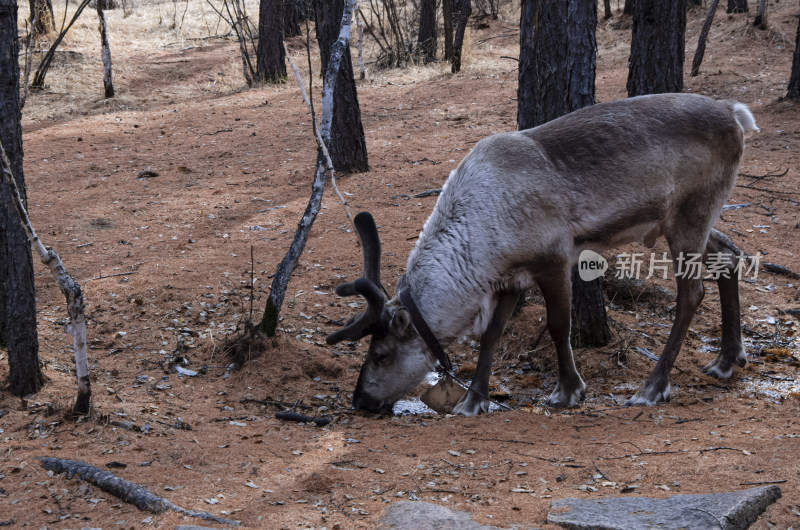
{"x": 647, "y": 396}
{"x": 561, "y": 398}
{"x": 724, "y": 364}
{"x": 471, "y": 405}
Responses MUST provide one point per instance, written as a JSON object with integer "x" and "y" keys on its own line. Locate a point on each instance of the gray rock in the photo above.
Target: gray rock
{"x": 420, "y": 515}
{"x": 194, "y": 527}
{"x": 736, "y": 510}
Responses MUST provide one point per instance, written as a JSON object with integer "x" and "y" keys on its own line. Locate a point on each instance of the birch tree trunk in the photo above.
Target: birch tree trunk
{"x": 338, "y": 52}
{"x": 760, "y": 21}
{"x": 108, "y": 83}
{"x": 69, "y": 287}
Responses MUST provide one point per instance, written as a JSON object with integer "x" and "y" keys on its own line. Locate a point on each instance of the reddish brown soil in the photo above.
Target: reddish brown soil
{"x": 170, "y": 255}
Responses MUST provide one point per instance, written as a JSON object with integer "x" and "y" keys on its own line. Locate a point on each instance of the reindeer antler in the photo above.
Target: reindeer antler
{"x": 369, "y": 321}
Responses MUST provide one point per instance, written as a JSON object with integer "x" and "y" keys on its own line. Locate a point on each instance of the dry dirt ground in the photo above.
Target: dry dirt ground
{"x": 168, "y": 258}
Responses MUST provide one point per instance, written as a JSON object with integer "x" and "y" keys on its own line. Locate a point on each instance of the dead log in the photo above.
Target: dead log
{"x": 123, "y": 489}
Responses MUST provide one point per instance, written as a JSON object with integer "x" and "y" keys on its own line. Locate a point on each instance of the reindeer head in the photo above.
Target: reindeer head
{"x": 397, "y": 360}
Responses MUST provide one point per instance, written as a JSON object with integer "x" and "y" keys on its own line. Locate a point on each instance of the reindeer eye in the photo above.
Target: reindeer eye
{"x": 380, "y": 355}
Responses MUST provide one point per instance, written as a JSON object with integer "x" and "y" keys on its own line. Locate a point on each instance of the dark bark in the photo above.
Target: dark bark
{"x": 447, "y": 17}
{"x": 426, "y": 43}
{"x": 294, "y": 12}
{"x": 607, "y": 9}
{"x": 737, "y": 6}
{"x": 42, "y": 12}
{"x": 348, "y": 148}
{"x": 656, "y": 60}
{"x": 794, "y": 78}
{"x": 701, "y": 42}
{"x": 556, "y": 76}
{"x": 628, "y": 7}
{"x": 589, "y": 320}
{"x": 760, "y": 21}
{"x": 17, "y": 293}
{"x": 557, "y": 59}
{"x": 461, "y": 12}
{"x": 108, "y": 83}
{"x": 270, "y": 55}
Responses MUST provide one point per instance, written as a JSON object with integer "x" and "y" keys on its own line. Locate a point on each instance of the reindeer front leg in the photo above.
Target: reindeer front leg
{"x": 476, "y": 399}
{"x": 556, "y": 287}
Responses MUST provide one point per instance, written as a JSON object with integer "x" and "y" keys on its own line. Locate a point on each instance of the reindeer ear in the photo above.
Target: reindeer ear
{"x": 401, "y": 325}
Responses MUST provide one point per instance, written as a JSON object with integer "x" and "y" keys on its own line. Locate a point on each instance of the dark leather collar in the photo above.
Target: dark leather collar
{"x": 422, "y": 328}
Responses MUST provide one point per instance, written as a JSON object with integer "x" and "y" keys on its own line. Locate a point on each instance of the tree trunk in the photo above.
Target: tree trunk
{"x": 607, "y": 9}
{"x": 461, "y": 12}
{"x": 737, "y": 6}
{"x": 294, "y": 12}
{"x": 701, "y": 42}
{"x": 656, "y": 59}
{"x": 761, "y": 15}
{"x": 17, "y": 293}
{"x": 628, "y": 7}
{"x": 427, "y": 31}
{"x": 348, "y": 146}
{"x": 108, "y": 84}
{"x": 556, "y": 76}
{"x": 794, "y": 78}
{"x": 337, "y": 53}
{"x": 447, "y": 17}
{"x": 45, "y": 20}
{"x": 270, "y": 56}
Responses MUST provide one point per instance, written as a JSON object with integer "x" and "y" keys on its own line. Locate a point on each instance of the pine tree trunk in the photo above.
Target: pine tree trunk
{"x": 294, "y": 12}
{"x": 427, "y": 31}
{"x": 447, "y": 17}
{"x": 607, "y": 9}
{"x": 17, "y": 293}
{"x": 737, "y": 6}
{"x": 628, "y": 7}
{"x": 348, "y": 146}
{"x": 270, "y": 55}
{"x": 556, "y": 76}
{"x": 657, "y": 42}
{"x": 794, "y": 78}
{"x": 461, "y": 12}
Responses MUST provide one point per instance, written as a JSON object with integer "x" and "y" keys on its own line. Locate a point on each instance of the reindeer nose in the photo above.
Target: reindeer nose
{"x": 362, "y": 401}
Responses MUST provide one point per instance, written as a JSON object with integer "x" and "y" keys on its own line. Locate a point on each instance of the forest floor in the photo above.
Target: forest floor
{"x": 167, "y": 264}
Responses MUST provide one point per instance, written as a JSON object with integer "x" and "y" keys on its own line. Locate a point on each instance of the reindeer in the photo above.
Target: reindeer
{"x": 517, "y": 212}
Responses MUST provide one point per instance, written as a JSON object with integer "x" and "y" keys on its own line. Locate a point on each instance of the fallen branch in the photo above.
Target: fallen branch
{"x": 69, "y": 287}
{"x": 774, "y": 268}
{"x": 123, "y": 489}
